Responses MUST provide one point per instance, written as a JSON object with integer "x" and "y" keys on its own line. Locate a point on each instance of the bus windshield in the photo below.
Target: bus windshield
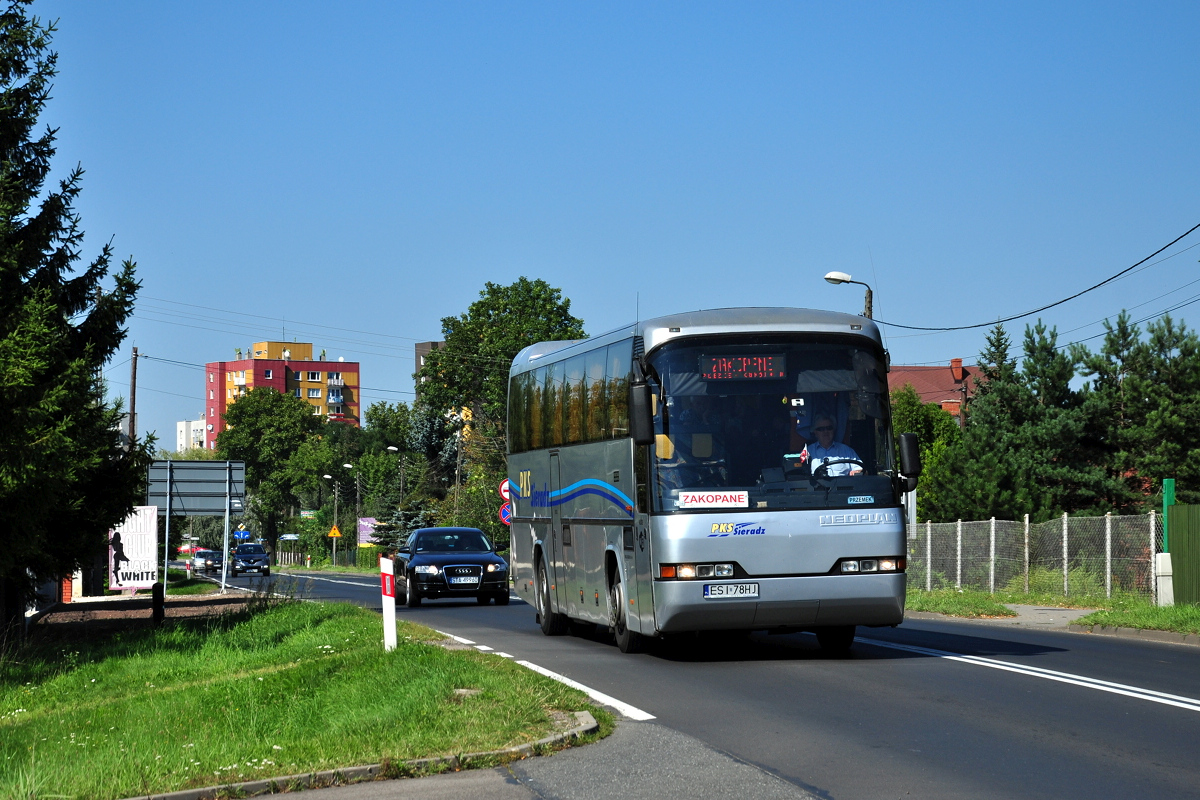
{"x": 770, "y": 422}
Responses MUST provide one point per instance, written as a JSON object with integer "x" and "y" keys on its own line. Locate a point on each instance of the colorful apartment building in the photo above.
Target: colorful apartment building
{"x": 330, "y": 387}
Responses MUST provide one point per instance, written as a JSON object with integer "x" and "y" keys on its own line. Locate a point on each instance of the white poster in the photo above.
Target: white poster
{"x": 133, "y": 550}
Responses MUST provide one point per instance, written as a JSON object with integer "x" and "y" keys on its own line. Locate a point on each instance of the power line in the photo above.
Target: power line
{"x": 1050, "y": 305}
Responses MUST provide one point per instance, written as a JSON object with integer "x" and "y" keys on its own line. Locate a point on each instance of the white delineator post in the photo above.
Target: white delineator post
{"x": 958, "y": 557}
{"x": 1066, "y": 563}
{"x": 1108, "y": 554}
{"x": 387, "y": 581}
{"x": 992, "y": 556}
{"x": 929, "y": 555}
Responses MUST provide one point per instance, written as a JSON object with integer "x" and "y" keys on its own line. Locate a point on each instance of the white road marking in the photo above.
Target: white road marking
{"x": 333, "y": 580}
{"x": 629, "y": 711}
{"x": 483, "y": 647}
{"x": 503, "y": 655}
{"x": 458, "y": 639}
{"x": 1138, "y": 693}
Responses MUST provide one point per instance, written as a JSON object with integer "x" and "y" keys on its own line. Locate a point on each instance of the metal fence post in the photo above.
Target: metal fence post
{"x": 1153, "y": 548}
{"x": 1026, "y": 554}
{"x": 992, "y": 568}
{"x": 929, "y": 555}
{"x": 1108, "y": 554}
{"x": 958, "y": 559}
{"x": 1066, "y": 587}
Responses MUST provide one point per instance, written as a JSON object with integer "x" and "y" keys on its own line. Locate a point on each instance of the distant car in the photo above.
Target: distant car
{"x": 207, "y": 561}
{"x": 251, "y": 558}
{"x": 451, "y": 562}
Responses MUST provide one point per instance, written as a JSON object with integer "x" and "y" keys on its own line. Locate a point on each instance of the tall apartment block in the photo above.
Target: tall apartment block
{"x": 330, "y": 387}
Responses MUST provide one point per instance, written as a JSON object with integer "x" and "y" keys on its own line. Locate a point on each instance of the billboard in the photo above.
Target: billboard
{"x": 198, "y": 488}
{"x": 133, "y": 550}
{"x": 366, "y": 529}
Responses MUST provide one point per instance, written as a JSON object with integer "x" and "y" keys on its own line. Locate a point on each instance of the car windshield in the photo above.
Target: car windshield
{"x": 452, "y": 542}
{"x": 769, "y": 422}
{"x": 251, "y": 550}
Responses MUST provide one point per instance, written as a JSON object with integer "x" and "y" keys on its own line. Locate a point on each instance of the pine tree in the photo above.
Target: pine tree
{"x": 65, "y": 477}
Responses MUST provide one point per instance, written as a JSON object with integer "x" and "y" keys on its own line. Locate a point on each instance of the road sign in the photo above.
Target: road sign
{"x": 334, "y": 532}
{"x": 241, "y": 534}
{"x": 506, "y": 513}
{"x": 504, "y": 492}
{"x": 197, "y": 487}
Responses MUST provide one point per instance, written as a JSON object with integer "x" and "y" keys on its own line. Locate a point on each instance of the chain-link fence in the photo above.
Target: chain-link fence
{"x": 1069, "y": 555}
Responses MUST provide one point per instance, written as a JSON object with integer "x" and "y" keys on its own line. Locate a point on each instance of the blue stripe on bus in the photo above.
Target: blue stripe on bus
{"x": 579, "y": 488}
{"x": 606, "y": 495}
{"x": 600, "y": 484}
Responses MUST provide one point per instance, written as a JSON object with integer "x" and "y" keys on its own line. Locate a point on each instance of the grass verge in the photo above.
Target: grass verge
{"x": 965, "y": 603}
{"x": 275, "y": 690}
{"x": 1181, "y": 619}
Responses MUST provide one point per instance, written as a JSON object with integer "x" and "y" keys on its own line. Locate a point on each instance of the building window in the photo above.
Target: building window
{"x": 296, "y": 391}
{"x": 314, "y": 393}
{"x": 316, "y": 411}
{"x": 212, "y": 412}
{"x": 335, "y": 395}
{"x": 210, "y": 394}
{"x": 295, "y": 376}
{"x": 267, "y": 374}
{"x": 211, "y": 377}
{"x": 335, "y": 376}
{"x": 314, "y": 376}
{"x": 335, "y": 409}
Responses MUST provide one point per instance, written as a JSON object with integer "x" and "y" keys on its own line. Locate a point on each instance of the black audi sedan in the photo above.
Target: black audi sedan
{"x": 451, "y": 562}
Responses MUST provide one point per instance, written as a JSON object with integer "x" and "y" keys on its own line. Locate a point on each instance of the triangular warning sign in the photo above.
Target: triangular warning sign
{"x": 334, "y": 531}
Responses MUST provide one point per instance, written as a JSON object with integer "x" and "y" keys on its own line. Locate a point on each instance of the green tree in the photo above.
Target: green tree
{"x": 65, "y": 478}
{"x": 936, "y": 431}
{"x": 266, "y": 430}
{"x": 471, "y": 370}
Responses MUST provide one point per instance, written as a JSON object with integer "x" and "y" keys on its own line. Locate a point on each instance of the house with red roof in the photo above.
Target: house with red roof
{"x": 948, "y": 386}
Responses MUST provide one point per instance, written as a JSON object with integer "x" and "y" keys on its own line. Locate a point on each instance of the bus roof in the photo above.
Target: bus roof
{"x": 655, "y": 332}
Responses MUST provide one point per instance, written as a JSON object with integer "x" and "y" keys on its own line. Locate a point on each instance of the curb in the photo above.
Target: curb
{"x": 1139, "y": 633}
{"x": 374, "y": 772}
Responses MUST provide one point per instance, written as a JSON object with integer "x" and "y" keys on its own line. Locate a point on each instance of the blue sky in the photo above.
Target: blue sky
{"x": 352, "y": 173}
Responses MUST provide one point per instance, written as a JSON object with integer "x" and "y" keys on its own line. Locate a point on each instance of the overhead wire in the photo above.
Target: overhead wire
{"x": 1104, "y": 282}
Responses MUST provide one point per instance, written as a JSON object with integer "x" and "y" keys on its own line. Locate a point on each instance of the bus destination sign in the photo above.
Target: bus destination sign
{"x": 743, "y": 367}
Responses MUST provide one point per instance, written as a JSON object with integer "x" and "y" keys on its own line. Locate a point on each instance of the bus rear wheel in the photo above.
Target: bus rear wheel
{"x": 627, "y": 641}
{"x": 836, "y": 639}
{"x": 552, "y": 624}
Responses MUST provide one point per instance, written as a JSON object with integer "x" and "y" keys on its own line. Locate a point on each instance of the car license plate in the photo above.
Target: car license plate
{"x": 723, "y": 591}
{"x": 467, "y": 579}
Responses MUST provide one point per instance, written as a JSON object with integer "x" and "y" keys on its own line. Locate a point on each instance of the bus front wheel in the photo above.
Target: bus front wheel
{"x": 836, "y": 640}
{"x": 627, "y": 641}
{"x": 552, "y": 624}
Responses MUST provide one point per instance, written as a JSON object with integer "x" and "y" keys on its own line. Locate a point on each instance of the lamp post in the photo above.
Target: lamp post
{"x": 393, "y": 449}
{"x": 842, "y": 277}
{"x": 337, "y": 490}
{"x": 357, "y": 497}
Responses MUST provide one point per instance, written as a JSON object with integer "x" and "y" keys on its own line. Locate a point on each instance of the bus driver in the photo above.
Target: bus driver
{"x": 826, "y": 449}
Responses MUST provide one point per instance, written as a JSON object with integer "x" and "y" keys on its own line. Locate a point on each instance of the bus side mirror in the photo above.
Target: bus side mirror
{"x": 910, "y": 460}
{"x": 641, "y": 415}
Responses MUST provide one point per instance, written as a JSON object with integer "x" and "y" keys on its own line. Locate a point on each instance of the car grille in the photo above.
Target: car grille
{"x": 464, "y": 571}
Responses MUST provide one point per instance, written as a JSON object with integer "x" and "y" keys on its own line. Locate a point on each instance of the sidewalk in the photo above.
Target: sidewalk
{"x": 639, "y": 761}
{"x": 1061, "y": 619}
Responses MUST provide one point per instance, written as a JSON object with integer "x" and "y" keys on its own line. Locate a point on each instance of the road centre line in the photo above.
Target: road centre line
{"x": 600, "y": 697}
{"x": 1135, "y": 692}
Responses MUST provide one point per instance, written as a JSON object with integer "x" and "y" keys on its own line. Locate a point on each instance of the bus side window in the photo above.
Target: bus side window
{"x": 620, "y": 362}
{"x": 537, "y": 405}
{"x": 575, "y": 401}
{"x": 596, "y": 391}
{"x": 552, "y": 404}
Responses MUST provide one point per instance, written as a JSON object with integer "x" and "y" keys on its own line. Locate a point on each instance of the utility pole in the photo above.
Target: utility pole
{"x": 133, "y": 397}
{"x": 337, "y": 490}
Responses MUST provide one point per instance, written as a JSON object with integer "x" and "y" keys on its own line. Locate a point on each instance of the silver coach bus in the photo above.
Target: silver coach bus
{"x": 715, "y": 470}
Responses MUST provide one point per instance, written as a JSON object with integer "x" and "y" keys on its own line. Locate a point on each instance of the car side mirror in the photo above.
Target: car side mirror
{"x": 910, "y": 460}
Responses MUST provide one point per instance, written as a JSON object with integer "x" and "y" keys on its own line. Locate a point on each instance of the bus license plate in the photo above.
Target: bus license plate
{"x": 464, "y": 580}
{"x": 722, "y": 591}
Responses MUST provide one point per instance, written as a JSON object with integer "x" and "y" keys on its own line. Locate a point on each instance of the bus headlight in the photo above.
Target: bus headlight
{"x": 687, "y": 572}
{"x": 849, "y": 566}
{"x": 860, "y": 565}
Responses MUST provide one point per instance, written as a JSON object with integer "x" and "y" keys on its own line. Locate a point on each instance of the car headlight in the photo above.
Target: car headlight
{"x": 426, "y": 569}
{"x": 497, "y": 567}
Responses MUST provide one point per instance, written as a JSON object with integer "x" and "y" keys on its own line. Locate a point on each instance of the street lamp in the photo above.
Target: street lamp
{"x": 357, "y": 498}
{"x": 337, "y": 491}
{"x": 393, "y": 449}
{"x": 842, "y": 277}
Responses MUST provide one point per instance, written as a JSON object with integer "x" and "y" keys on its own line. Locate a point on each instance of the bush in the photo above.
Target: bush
{"x": 1081, "y": 582}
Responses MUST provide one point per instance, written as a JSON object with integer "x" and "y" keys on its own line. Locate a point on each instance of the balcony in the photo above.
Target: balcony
{"x": 335, "y": 382}
{"x": 239, "y": 381}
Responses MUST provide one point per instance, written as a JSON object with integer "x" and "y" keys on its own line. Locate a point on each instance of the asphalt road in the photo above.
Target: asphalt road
{"x": 930, "y": 709}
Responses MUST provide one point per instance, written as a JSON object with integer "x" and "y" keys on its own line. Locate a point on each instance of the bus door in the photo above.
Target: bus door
{"x": 561, "y": 546}
{"x": 637, "y": 573}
